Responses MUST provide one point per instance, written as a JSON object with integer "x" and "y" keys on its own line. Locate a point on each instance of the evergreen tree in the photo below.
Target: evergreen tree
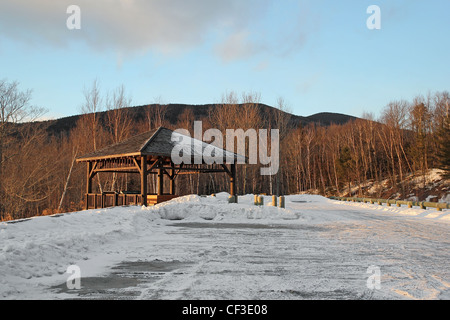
{"x": 344, "y": 166}
{"x": 444, "y": 147}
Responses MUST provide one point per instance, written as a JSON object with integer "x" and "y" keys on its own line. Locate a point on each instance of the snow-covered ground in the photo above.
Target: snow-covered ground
{"x": 204, "y": 248}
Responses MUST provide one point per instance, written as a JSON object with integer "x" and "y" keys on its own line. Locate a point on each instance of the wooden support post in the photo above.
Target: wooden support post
{"x": 172, "y": 182}
{"x": 160, "y": 182}
{"x": 233, "y": 180}
{"x": 144, "y": 180}
{"x": 88, "y": 183}
{"x": 89, "y": 178}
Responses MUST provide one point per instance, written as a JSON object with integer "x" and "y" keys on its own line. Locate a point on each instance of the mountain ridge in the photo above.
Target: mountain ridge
{"x": 173, "y": 111}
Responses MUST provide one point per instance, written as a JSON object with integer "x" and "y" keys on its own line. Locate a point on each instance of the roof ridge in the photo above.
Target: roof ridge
{"x": 151, "y": 138}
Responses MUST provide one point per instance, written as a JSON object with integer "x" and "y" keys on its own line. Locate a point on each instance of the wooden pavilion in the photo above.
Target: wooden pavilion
{"x": 144, "y": 154}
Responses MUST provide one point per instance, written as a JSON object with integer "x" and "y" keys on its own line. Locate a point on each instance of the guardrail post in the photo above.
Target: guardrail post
{"x": 422, "y": 204}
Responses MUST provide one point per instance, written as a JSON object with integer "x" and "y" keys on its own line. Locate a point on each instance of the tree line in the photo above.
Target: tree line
{"x": 38, "y": 173}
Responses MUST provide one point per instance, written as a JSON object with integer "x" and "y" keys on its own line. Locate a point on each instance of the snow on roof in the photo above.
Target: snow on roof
{"x": 159, "y": 143}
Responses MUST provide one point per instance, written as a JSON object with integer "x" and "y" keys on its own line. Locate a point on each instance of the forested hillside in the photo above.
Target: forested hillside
{"x": 327, "y": 152}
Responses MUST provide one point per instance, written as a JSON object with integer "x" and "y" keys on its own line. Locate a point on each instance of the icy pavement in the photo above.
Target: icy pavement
{"x": 204, "y": 248}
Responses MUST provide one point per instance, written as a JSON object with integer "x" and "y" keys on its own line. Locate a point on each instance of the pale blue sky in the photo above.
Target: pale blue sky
{"x": 318, "y": 55}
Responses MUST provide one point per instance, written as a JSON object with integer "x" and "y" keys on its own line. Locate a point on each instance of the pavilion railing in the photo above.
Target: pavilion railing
{"x": 111, "y": 199}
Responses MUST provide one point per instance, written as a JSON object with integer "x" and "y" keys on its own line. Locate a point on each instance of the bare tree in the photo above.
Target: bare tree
{"x": 15, "y": 108}
{"x": 91, "y": 107}
{"x": 118, "y": 115}
{"x": 282, "y": 118}
{"x": 90, "y": 120}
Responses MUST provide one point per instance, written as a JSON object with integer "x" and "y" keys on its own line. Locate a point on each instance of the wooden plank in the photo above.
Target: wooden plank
{"x": 124, "y": 169}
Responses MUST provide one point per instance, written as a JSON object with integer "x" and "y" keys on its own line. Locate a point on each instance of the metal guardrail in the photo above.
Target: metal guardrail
{"x": 422, "y": 204}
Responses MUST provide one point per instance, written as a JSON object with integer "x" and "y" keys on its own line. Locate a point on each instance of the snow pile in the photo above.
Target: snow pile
{"x": 217, "y": 208}
{"x": 45, "y": 246}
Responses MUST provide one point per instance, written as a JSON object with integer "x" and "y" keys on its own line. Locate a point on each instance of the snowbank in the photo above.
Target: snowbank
{"x": 416, "y": 212}
{"x": 42, "y": 247}
{"x": 35, "y": 253}
{"x": 194, "y": 207}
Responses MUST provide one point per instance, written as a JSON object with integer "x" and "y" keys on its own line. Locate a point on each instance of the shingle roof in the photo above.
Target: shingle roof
{"x": 130, "y": 146}
{"x": 153, "y": 143}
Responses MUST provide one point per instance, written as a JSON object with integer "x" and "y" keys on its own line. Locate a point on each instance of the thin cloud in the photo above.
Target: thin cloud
{"x": 237, "y": 46}
{"x": 128, "y": 27}
{"x": 281, "y": 39}
{"x": 121, "y": 25}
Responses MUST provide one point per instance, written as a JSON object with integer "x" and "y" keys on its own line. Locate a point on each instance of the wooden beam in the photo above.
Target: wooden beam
{"x": 154, "y": 164}
{"x": 92, "y": 172}
{"x": 188, "y": 172}
{"x": 126, "y": 169}
{"x": 224, "y": 166}
{"x": 137, "y": 163}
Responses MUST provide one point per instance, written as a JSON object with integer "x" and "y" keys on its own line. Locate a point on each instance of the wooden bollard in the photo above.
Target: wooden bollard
{"x": 255, "y": 202}
{"x": 274, "y": 201}
{"x": 282, "y": 202}
{"x": 232, "y": 199}
{"x": 260, "y": 200}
